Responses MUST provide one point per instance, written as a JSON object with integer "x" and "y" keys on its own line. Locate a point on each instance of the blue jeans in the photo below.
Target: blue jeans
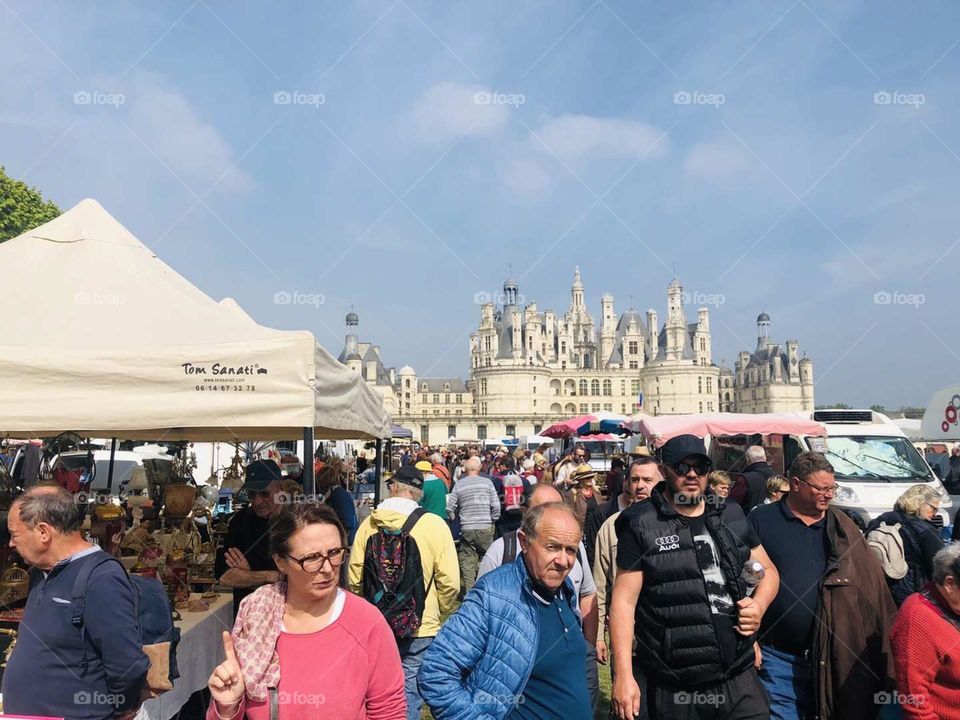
{"x": 788, "y": 680}
{"x": 411, "y": 658}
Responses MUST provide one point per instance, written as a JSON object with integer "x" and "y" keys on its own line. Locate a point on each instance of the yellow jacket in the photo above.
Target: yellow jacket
{"x": 437, "y": 553}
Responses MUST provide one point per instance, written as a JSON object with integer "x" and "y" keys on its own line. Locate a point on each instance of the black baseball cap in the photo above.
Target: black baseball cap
{"x": 260, "y": 473}
{"x": 681, "y": 447}
{"x": 408, "y": 475}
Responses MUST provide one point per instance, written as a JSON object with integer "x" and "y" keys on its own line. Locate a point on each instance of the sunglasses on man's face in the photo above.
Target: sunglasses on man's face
{"x": 702, "y": 467}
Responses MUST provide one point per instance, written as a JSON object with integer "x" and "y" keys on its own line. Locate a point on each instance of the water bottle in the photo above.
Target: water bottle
{"x": 752, "y": 574}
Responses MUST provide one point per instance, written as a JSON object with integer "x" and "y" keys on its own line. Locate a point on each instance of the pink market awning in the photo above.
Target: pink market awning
{"x": 661, "y": 428}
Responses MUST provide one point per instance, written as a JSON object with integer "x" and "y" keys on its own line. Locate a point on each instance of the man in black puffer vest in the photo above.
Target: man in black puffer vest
{"x": 680, "y": 590}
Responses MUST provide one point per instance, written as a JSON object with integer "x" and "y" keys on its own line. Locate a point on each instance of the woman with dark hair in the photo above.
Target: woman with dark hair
{"x": 303, "y": 647}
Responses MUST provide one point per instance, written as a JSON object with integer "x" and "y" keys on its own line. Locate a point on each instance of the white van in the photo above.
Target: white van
{"x": 874, "y": 461}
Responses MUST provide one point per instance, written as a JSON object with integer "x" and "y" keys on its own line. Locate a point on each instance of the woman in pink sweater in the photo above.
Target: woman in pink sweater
{"x": 304, "y": 648}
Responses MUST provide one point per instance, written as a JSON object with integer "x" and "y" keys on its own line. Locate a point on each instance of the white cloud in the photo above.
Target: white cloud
{"x": 171, "y": 127}
{"x": 713, "y": 161}
{"x": 449, "y": 110}
{"x": 527, "y": 178}
{"x": 576, "y": 136}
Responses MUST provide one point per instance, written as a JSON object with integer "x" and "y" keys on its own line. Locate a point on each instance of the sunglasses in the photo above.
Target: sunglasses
{"x": 702, "y": 467}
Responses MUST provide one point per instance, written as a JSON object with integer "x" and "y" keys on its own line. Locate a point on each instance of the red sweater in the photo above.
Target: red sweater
{"x": 350, "y": 669}
{"x": 926, "y": 652}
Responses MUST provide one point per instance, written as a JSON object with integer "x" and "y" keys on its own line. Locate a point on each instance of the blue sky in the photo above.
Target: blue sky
{"x": 793, "y": 157}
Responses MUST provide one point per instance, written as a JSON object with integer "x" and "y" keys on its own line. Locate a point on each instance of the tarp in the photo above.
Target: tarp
{"x": 941, "y": 420}
{"x": 102, "y": 338}
{"x": 661, "y": 428}
{"x": 573, "y": 426}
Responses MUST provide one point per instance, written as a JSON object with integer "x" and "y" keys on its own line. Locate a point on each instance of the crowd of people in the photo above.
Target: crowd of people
{"x": 491, "y": 583}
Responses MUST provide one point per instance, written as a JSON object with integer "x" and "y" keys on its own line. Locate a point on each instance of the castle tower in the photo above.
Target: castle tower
{"x": 654, "y": 327}
{"x": 576, "y": 292}
{"x": 763, "y": 330}
{"x": 676, "y": 324}
{"x": 608, "y": 330}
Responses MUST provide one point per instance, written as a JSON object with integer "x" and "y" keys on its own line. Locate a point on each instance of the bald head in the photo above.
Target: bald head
{"x": 543, "y": 493}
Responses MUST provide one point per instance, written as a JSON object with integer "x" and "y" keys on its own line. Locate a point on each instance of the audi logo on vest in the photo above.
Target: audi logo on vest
{"x": 668, "y": 542}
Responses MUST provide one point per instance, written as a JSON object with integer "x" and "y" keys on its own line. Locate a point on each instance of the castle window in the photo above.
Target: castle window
{"x": 446, "y": 398}
{"x": 709, "y": 385}
{"x": 595, "y": 407}
{"x": 481, "y": 432}
{"x": 406, "y": 383}
{"x": 632, "y": 347}
{"x": 584, "y": 408}
{"x": 446, "y": 386}
{"x": 459, "y": 398}
{"x": 436, "y": 399}
{"x": 633, "y": 365}
{"x": 424, "y": 399}
{"x": 608, "y": 407}
{"x": 607, "y": 387}
{"x": 635, "y": 387}
{"x": 511, "y": 430}
{"x": 594, "y": 387}
{"x": 583, "y": 387}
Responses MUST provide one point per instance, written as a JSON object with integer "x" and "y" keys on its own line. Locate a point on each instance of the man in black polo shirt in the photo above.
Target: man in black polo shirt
{"x": 824, "y": 639}
{"x": 244, "y": 561}
{"x": 679, "y": 587}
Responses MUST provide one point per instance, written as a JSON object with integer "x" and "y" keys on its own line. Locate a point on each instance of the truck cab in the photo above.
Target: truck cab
{"x": 874, "y": 461}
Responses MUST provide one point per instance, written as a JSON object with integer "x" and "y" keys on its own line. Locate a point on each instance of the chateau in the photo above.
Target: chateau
{"x": 529, "y": 369}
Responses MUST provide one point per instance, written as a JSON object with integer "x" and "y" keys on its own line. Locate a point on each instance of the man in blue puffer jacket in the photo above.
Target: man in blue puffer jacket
{"x": 515, "y": 648}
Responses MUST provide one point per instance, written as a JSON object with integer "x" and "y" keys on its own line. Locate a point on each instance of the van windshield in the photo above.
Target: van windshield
{"x": 596, "y": 448}
{"x": 876, "y": 458}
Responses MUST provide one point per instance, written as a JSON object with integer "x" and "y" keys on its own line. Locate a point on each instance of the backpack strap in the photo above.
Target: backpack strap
{"x": 79, "y": 597}
{"x": 509, "y": 548}
{"x": 412, "y": 519}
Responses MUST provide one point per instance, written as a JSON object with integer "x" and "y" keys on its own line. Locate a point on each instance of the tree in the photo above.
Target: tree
{"x": 22, "y": 207}
{"x": 834, "y": 406}
{"x": 879, "y": 409}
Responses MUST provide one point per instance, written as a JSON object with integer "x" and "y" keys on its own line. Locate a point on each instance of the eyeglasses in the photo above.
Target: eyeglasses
{"x": 830, "y": 490}
{"x": 702, "y": 467}
{"x": 936, "y": 508}
{"x": 313, "y": 563}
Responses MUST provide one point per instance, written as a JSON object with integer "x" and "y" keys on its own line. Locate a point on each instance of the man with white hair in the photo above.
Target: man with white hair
{"x": 750, "y": 488}
{"x": 474, "y": 499}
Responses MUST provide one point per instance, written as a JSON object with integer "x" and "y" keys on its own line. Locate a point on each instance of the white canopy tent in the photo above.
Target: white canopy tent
{"x": 941, "y": 419}
{"x": 102, "y": 338}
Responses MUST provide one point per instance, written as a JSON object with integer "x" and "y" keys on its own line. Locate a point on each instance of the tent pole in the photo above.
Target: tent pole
{"x": 378, "y": 473}
{"x": 113, "y": 453}
{"x": 309, "y": 487}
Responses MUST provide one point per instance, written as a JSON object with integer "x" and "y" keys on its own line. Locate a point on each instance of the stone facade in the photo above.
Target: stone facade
{"x": 529, "y": 369}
